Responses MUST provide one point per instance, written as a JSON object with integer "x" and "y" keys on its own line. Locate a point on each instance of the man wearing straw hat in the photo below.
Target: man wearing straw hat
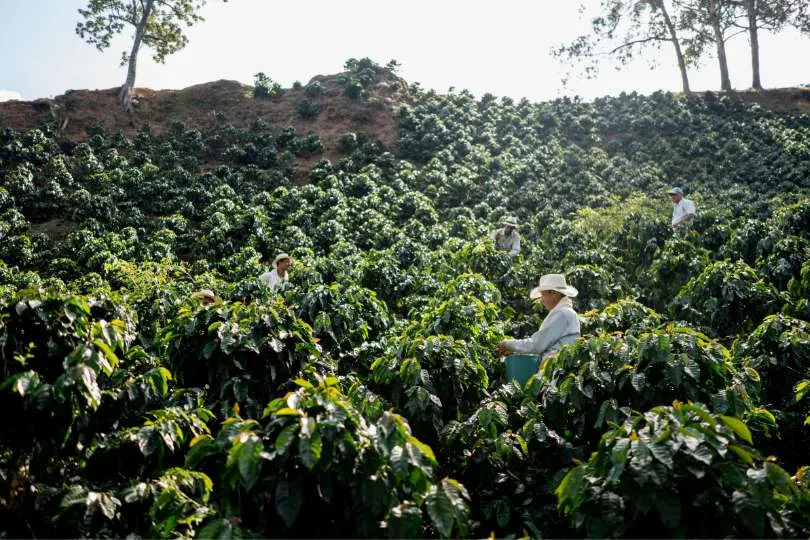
{"x": 560, "y": 327}
{"x": 507, "y": 238}
{"x": 278, "y": 277}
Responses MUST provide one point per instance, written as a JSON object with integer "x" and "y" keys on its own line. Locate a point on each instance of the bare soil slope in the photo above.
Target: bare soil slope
{"x": 221, "y": 101}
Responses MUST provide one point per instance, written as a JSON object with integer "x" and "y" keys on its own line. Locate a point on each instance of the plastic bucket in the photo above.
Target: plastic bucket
{"x": 521, "y": 366}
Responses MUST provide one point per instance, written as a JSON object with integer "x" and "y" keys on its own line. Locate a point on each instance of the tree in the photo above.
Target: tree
{"x": 716, "y": 16}
{"x": 158, "y": 24}
{"x": 768, "y": 15}
{"x": 628, "y": 27}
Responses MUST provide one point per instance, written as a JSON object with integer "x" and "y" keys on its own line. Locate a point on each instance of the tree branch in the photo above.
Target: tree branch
{"x": 635, "y": 42}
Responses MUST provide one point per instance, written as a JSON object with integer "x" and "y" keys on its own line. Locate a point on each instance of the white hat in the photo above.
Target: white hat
{"x": 205, "y": 294}
{"x": 553, "y": 282}
{"x": 280, "y": 257}
{"x": 675, "y": 190}
{"x": 511, "y": 221}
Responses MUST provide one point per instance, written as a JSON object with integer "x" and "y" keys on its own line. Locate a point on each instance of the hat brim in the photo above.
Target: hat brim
{"x": 568, "y": 291}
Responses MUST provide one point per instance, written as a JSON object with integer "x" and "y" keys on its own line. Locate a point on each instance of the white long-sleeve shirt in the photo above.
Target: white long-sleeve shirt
{"x": 509, "y": 243}
{"x": 560, "y": 327}
{"x": 681, "y": 209}
{"x": 272, "y": 279}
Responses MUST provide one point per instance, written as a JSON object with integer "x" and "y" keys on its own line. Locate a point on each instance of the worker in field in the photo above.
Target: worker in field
{"x": 560, "y": 327}
{"x": 507, "y": 238}
{"x": 277, "y": 278}
{"x": 683, "y": 211}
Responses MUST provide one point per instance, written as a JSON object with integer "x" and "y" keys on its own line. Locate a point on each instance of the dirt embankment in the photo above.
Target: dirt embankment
{"x": 201, "y": 106}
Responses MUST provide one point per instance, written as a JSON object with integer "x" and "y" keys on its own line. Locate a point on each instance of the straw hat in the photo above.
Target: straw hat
{"x": 280, "y": 257}
{"x": 511, "y": 221}
{"x": 553, "y": 282}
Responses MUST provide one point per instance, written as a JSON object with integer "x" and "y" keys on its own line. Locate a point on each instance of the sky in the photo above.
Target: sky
{"x": 501, "y": 47}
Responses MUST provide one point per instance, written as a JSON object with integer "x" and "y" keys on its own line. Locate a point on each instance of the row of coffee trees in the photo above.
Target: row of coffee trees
{"x": 367, "y": 393}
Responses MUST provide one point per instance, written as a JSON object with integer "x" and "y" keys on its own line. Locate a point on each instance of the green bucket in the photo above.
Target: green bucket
{"x": 521, "y": 366}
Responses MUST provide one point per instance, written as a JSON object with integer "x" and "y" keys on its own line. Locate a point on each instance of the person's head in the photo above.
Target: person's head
{"x": 206, "y": 297}
{"x": 676, "y": 193}
{"x": 551, "y": 289}
{"x": 509, "y": 225}
{"x": 282, "y": 263}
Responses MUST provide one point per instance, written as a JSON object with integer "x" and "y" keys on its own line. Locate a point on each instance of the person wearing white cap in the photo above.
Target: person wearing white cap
{"x": 278, "y": 277}
{"x": 507, "y": 238}
{"x": 560, "y": 327}
{"x": 683, "y": 210}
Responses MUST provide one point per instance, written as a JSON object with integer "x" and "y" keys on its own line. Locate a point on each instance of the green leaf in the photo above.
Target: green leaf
{"x": 112, "y": 359}
{"x": 147, "y": 440}
{"x": 742, "y": 453}
{"x": 309, "y": 450}
{"x": 663, "y": 452}
{"x": 692, "y": 368}
{"x": 107, "y": 504}
{"x": 440, "y": 509}
{"x": 502, "y": 513}
{"x": 285, "y": 438}
{"x": 286, "y": 411}
{"x": 801, "y": 389}
{"x": 738, "y": 427}
{"x": 289, "y": 499}
{"x": 781, "y": 479}
{"x": 250, "y": 461}
{"x": 571, "y": 491}
{"x": 750, "y": 513}
{"x": 92, "y": 393}
{"x": 638, "y": 381}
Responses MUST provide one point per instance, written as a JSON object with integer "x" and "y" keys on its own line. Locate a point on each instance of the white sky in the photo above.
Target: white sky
{"x": 501, "y": 47}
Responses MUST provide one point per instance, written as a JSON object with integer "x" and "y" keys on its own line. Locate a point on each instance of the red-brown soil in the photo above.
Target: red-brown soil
{"x": 203, "y": 105}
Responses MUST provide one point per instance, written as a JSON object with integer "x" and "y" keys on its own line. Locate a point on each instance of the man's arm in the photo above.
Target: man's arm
{"x": 689, "y": 213}
{"x": 551, "y": 330}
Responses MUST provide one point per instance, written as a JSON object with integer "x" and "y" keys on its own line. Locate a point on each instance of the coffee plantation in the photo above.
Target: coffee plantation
{"x": 365, "y": 399}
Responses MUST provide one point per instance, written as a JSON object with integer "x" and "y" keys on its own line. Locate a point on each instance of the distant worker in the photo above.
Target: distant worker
{"x": 277, "y": 278}
{"x": 205, "y": 296}
{"x": 507, "y": 238}
{"x": 560, "y": 327}
{"x": 683, "y": 210}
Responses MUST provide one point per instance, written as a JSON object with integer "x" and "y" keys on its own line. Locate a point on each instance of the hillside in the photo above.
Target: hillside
{"x": 204, "y": 106}
{"x": 369, "y": 389}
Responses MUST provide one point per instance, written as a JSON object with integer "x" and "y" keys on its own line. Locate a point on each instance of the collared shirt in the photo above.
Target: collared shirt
{"x": 681, "y": 209}
{"x": 272, "y": 279}
{"x": 510, "y": 243}
{"x": 560, "y": 327}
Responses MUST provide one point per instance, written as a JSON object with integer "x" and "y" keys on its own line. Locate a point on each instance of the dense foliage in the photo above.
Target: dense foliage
{"x": 367, "y": 393}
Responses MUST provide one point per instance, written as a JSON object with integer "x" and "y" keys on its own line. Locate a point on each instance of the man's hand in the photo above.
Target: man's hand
{"x": 499, "y": 234}
{"x": 501, "y": 349}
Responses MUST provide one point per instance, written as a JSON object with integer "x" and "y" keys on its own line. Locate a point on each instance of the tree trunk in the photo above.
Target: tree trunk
{"x": 753, "y": 36}
{"x": 677, "y": 44}
{"x": 128, "y": 87}
{"x": 714, "y": 17}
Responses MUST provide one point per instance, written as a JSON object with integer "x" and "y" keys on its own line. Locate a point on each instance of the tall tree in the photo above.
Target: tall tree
{"x": 768, "y": 15}
{"x": 708, "y": 23}
{"x": 625, "y": 29}
{"x": 157, "y": 24}
{"x": 717, "y": 15}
